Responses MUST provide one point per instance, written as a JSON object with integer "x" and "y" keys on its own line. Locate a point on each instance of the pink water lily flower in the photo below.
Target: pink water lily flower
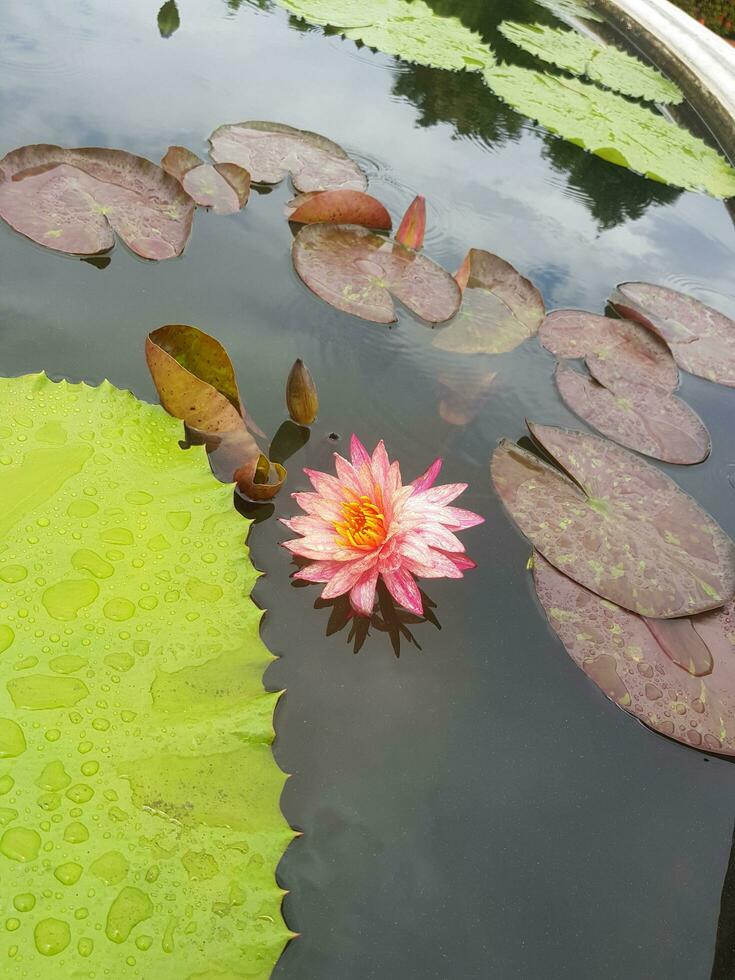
{"x": 364, "y": 524}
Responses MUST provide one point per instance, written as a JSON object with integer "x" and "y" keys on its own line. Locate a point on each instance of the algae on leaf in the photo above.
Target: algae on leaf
{"x": 409, "y": 30}
{"x": 134, "y": 728}
{"x": 600, "y": 62}
{"x": 615, "y": 129}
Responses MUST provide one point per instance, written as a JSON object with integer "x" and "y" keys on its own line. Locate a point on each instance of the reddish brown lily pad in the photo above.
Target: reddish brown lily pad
{"x": 615, "y": 524}
{"x": 196, "y": 383}
{"x": 269, "y": 151}
{"x": 500, "y": 307}
{"x": 643, "y": 669}
{"x": 701, "y": 339}
{"x": 360, "y": 272}
{"x": 412, "y": 228}
{"x": 613, "y": 348}
{"x": 224, "y": 187}
{"x": 75, "y": 201}
{"x": 643, "y": 418}
{"x": 343, "y": 207}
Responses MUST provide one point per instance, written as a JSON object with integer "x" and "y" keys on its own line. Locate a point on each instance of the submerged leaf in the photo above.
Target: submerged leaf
{"x": 677, "y": 676}
{"x": 409, "y": 30}
{"x": 613, "y": 349}
{"x": 269, "y": 151}
{"x": 701, "y": 339}
{"x": 76, "y": 200}
{"x": 465, "y": 396}
{"x": 412, "y": 228}
{"x": 196, "y": 383}
{"x": 168, "y": 19}
{"x": 622, "y": 528}
{"x": 223, "y": 187}
{"x": 358, "y": 271}
{"x": 570, "y": 8}
{"x": 600, "y": 62}
{"x": 641, "y": 417}
{"x": 146, "y": 730}
{"x": 615, "y": 129}
{"x": 500, "y": 307}
{"x": 343, "y": 207}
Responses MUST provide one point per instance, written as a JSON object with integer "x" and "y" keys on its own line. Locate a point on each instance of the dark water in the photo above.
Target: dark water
{"x": 474, "y": 808}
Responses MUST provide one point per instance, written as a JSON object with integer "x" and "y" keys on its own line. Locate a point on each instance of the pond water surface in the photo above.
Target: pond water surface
{"x": 475, "y": 807}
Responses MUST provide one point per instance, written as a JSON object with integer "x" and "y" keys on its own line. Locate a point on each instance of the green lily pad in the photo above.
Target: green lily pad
{"x": 409, "y": 30}
{"x": 615, "y": 524}
{"x": 677, "y": 676}
{"x": 570, "y": 8}
{"x": 615, "y": 129}
{"x": 142, "y": 822}
{"x": 600, "y": 62}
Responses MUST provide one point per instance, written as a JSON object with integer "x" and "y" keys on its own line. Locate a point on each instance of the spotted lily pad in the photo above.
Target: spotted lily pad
{"x": 676, "y": 676}
{"x": 641, "y": 417}
{"x": 269, "y": 151}
{"x": 140, "y": 822}
{"x": 408, "y": 29}
{"x": 196, "y": 383}
{"x": 500, "y": 307}
{"x": 339, "y": 208}
{"x": 224, "y": 187}
{"x": 77, "y": 200}
{"x": 615, "y": 129}
{"x": 615, "y": 524}
{"x": 360, "y": 272}
{"x": 600, "y": 62}
{"x": 613, "y": 349}
{"x": 701, "y": 339}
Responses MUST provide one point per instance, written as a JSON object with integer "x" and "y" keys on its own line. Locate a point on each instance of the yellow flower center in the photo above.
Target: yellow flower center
{"x": 363, "y": 525}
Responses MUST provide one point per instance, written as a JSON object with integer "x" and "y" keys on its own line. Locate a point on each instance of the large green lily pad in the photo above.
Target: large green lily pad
{"x": 677, "y": 676}
{"x": 409, "y": 30}
{"x": 614, "y": 128}
{"x": 616, "y": 524}
{"x": 701, "y": 339}
{"x": 140, "y": 800}
{"x": 600, "y": 62}
{"x": 77, "y": 201}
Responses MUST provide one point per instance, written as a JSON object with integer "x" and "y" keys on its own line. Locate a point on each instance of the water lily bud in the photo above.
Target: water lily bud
{"x": 301, "y": 396}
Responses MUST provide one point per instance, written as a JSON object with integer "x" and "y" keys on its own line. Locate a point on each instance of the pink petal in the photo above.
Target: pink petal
{"x": 442, "y": 495}
{"x": 462, "y": 562}
{"x": 358, "y": 453}
{"x": 306, "y": 524}
{"x": 346, "y": 474}
{"x": 318, "y": 571}
{"x": 428, "y": 477}
{"x": 457, "y": 517}
{"x": 403, "y": 588}
{"x": 437, "y": 536}
{"x": 347, "y": 576}
{"x": 380, "y": 465}
{"x": 362, "y": 595}
{"x": 318, "y": 506}
{"x": 328, "y": 486}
